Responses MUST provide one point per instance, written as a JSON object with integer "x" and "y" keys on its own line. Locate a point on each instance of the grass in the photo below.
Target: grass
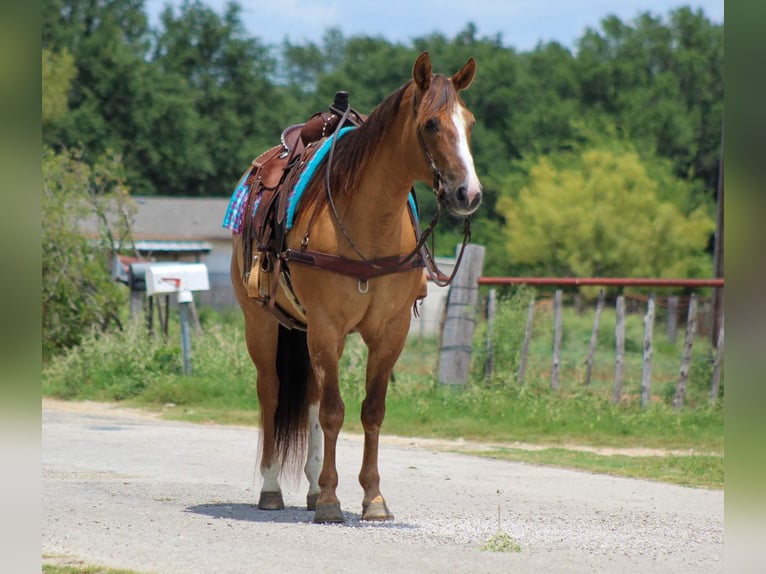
{"x": 142, "y": 370}
{"x": 705, "y": 471}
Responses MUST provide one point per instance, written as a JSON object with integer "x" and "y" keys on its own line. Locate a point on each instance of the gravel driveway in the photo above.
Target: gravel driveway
{"x": 124, "y": 489}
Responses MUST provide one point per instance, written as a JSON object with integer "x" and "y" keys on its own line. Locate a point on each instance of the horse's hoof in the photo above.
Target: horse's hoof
{"x": 271, "y": 501}
{"x": 311, "y": 501}
{"x": 329, "y": 514}
{"x": 376, "y": 509}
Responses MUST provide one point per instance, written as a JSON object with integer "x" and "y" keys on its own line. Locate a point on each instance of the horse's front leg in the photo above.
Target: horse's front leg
{"x": 325, "y": 348}
{"x": 384, "y": 349}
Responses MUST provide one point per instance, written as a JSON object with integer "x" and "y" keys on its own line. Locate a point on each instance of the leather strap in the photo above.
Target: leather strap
{"x": 362, "y": 270}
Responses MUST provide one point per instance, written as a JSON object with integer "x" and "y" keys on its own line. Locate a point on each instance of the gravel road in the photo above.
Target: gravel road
{"x": 125, "y": 489}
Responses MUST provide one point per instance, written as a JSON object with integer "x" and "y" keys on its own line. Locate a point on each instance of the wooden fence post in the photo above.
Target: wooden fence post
{"x": 716, "y": 382}
{"x": 619, "y": 337}
{"x": 525, "y": 346}
{"x": 555, "y": 367}
{"x": 460, "y": 318}
{"x": 489, "y": 366}
{"x": 646, "y": 369}
{"x": 683, "y": 377}
{"x": 593, "y": 338}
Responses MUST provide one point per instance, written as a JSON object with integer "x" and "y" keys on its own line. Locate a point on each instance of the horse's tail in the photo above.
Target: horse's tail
{"x": 291, "y": 417}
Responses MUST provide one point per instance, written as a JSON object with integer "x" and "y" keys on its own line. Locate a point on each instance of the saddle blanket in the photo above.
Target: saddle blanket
{"x": 235, "y": 216}
{"x": 235, "y": 212}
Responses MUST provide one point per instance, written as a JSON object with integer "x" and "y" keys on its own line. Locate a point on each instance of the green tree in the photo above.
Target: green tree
{"x": 600, "y": 214}
{"x": 78, "y": 292}
{"x": 234, "y": 109}
{"x": 662, "y": 81}
{"x": 58, "y": 70}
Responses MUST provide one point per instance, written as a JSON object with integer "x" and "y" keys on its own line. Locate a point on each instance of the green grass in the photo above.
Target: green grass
{"x": 686, "y": 470}
{"x": 142, "y": 370}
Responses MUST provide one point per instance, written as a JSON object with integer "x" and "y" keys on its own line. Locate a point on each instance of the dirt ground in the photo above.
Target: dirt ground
{"x": 124, "y": 488}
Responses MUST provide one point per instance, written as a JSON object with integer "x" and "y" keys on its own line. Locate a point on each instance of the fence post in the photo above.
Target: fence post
{"x": 619, "y": 337}
{"x": 717, "y": 365}
{"x": 460, "y": 318}
{"x": 593, "y": 338}
{"x": 683, "y": 377}
{"x": 185, "y": 300}
{"x": 646, "y": 370}
{"x": 556, "y": 340}
{"x": 489, "y": 367}
{"x": 527, "y": 339}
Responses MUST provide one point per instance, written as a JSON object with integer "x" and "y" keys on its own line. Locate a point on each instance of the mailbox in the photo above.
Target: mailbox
{"x": 176, "y": 278}
{"x": 136, "y": 275}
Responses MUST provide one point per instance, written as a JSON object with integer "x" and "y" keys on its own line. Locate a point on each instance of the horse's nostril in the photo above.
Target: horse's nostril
{"x": 460, "y": 194}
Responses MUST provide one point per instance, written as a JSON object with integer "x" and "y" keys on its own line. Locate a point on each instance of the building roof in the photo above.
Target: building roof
{"x": 175, "y": 219}
{"x": 180, "y": 219}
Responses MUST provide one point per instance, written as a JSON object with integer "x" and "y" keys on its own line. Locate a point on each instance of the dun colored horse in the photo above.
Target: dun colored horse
{"x": 356, "y": 213}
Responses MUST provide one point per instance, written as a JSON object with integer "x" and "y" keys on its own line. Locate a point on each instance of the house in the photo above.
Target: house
{"x": 187, "y": 230}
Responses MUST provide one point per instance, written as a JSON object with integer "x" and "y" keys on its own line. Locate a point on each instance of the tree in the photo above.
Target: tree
{"x": 662, "y": 81}
{"x": 599, "y": 213}
{"x": 78, "y": 292}
{"x": 233, "y": 110}
{"x": 58, "y": 70}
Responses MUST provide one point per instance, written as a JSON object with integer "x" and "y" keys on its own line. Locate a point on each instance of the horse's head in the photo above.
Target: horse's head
{"x": 444, "y": 125}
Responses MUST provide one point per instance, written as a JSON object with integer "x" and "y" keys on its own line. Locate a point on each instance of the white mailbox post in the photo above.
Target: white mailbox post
{"x": 181, "y": 278}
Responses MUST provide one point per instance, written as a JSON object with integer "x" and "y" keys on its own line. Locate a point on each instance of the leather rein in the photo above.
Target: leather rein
{"x": 364, "y": 268}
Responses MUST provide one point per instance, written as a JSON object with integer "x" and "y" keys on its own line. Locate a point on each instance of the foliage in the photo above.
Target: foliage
{"x": 132, "y": 363}
{"x": 57, "y": 74}
{"x": 601, "y": 215}
{"x": 78, "y": 292}
{"x": 507, "y": 335}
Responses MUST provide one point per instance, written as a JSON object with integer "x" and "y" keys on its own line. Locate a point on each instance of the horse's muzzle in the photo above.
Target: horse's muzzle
{"x": 461, "y": 200}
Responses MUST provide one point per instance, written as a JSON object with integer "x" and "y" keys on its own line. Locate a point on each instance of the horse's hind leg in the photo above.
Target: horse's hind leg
{"x": 261, "y": 334}
{"x": 314, "y": 455}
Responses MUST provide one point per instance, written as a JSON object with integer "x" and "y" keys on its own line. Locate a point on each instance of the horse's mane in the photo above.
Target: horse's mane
{"x": 354, "y": 148}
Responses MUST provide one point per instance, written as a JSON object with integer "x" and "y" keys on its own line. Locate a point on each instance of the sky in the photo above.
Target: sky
{"x": 520, "y": 23}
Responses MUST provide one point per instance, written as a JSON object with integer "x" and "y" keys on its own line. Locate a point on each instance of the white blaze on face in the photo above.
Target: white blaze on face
{"x": 464, "y": 153}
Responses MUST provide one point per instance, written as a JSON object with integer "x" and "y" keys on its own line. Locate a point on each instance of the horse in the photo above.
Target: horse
{"x": 357, "y": 214}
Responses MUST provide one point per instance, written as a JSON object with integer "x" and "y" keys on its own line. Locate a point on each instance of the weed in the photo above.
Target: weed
{"x": 501, "y": 542}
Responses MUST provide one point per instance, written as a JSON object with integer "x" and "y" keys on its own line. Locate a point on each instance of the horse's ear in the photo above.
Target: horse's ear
{"x": 464, "y": 77}
{"x": 421, "y": 72}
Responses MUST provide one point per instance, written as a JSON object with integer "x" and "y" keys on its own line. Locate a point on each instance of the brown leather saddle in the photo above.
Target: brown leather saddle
{"x": 270, "y": 178}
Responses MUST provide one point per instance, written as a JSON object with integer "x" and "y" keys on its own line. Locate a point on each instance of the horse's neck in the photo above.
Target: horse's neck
{"x": 376, "y": 209}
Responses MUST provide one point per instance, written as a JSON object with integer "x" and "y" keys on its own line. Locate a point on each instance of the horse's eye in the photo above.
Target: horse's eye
{"x": 432, "y": 125}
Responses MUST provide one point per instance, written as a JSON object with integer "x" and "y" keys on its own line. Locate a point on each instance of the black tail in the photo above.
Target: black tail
{"x": 291, "y": 418}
